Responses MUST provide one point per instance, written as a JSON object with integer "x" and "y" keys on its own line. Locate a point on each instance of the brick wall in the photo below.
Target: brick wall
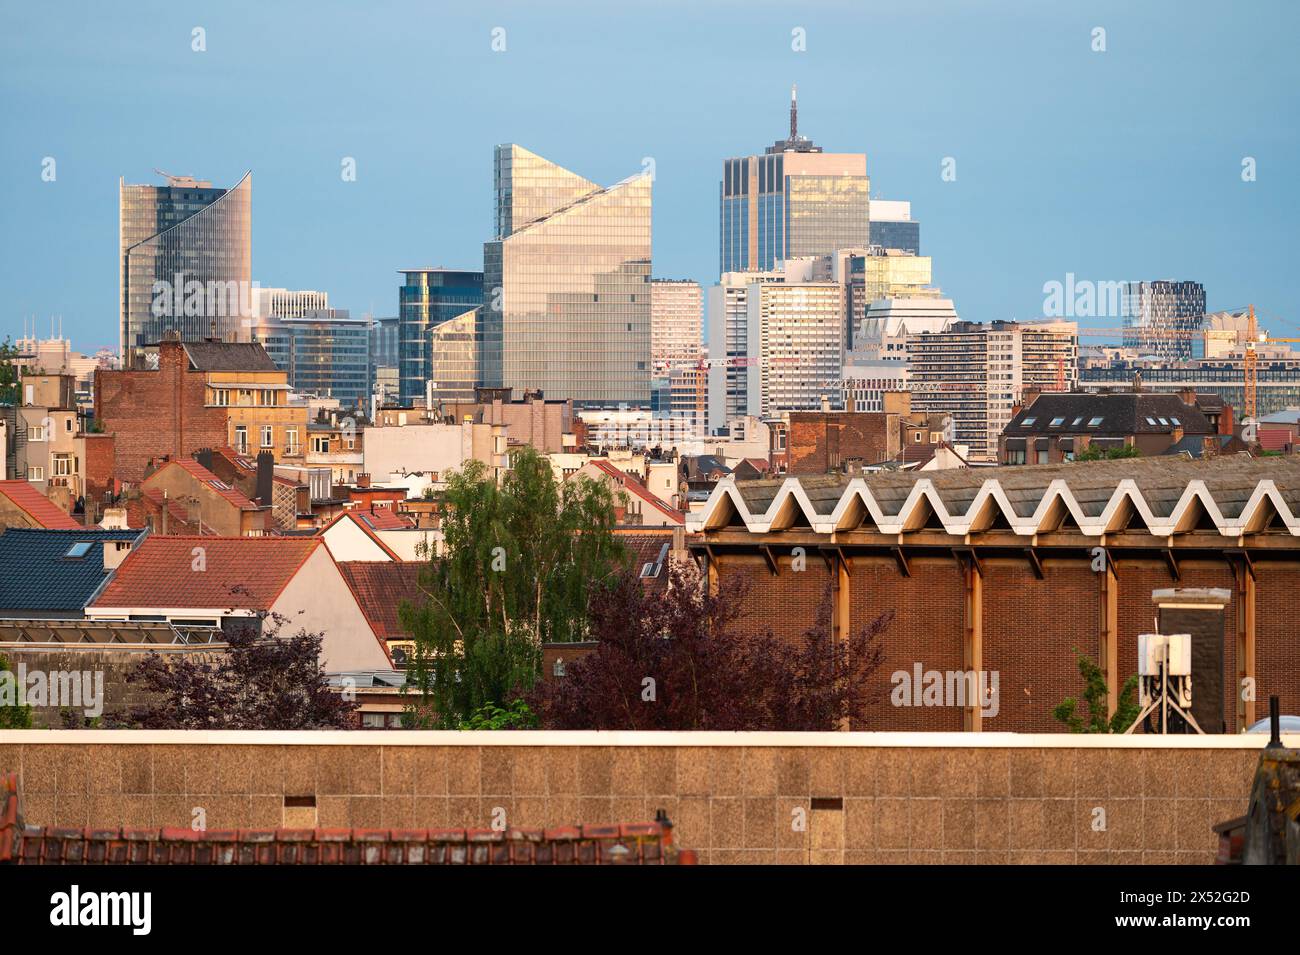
{"x": 156, "y": 413}
{"x": 821, "y": 442}
{"x": 743, "y": 798}
{"x": 98, "y": 461}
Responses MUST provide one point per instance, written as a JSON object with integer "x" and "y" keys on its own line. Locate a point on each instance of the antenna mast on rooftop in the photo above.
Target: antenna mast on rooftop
{"x": 794, "y": 112}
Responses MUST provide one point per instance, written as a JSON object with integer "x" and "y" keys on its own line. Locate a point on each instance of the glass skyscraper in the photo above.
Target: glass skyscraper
{"x": 326, "y": 353}
{"x": 185, "y": 261}
{"x": 427, "y": 299}
{"x": 567, "y": 284}
{"x": 793, "y": 201}
{"x": 1160, "y": 318}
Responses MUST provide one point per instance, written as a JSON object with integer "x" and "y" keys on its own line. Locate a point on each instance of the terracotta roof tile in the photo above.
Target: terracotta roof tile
{"x": 380, "y": 586}
{"x": 37, "y": 506}
{"x": 238, "y": 573}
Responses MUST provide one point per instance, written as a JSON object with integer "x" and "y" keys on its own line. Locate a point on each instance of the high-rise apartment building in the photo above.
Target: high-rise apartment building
{"x": 978, "y": 372}
{"x": 776, "y": 342}
{"x": 676, "y": 324}
{"x": 567, "y": 284}
{"x": 791, "y": 202}
{"x": 427, "y": 299}
{"x": 185, "y": 262}
{"x": 1162, "y": 318}
{"x": 892, "y": 226}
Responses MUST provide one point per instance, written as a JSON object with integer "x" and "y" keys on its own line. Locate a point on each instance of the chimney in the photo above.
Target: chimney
{"x": 363, "y": 480}
{"x": 204, "y": 457}
{"x": 1187, "y": 396}
{"x": 265, "y": 477}
{"x": 114, "y": 519}
{"x": 1029, "y": 396}
{"x": 1209, "y": 446}
{"x": 114, "y": 553}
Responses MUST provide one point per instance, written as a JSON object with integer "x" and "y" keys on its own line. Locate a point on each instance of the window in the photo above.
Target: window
{"x": 291, "y": 440}
{"x": 320, "y": 444}
{"x": 1150, "y": 420}
{"x": 268, "y": 436}
{"x": 67, "y": 425}
{"x": 1028, "y": 422}
{"x": 1164, "y": 421}
{"x": 36, "y": 433}
{"x": 1094, "y": 422}
{"x": 1057, "y": 422}
{"x": 268, "y": 396}
{"x": 35, "y": 474}
{"x": 62, "y": 465}
{"x": 1016, "y": 456}
{"x": 241, "y": 438}
{"x": 1076, "y": 422}
{"x": 1177, "y": 423}
{"x": 78, "y": 550}
{"x": 349, "y": 442}
{"x": 220, "y": 396}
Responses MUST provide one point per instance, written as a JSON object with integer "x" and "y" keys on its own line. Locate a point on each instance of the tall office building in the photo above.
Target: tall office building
{"x": 791, "y": 202}
{"x": 325, "y": 352}
{"x": 676, "y": 324}
{"x": 427, "y": 299}
{"x": 567, "y": 284}
{"x": 1161, "y": 318}
{"x": 870, "y": 275}
{"x": 977, "y": 372}
{"x": 776, "y": 342}
{"x": 271, "y": 304}
{"x": 185, "y": 262}
{"x": 892, "y": 226}
{"x": 454, "y": 359}
{"x": 384, "y": 374}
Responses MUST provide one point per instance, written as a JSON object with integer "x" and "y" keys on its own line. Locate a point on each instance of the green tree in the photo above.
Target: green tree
{"x": 1094, "y": 698}
{"x": 519, "y": 562}
{"x": 9, "y": 373}
{"x": 12, "y": 716}
{"x": 1093, "y": 453}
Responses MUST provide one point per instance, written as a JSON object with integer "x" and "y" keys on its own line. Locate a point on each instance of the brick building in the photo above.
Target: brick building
{"x": 1011, "y": 573}
{"x": 819, "y": 442}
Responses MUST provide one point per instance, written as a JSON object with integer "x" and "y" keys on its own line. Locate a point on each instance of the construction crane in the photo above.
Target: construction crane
{"x": 1250, "y": 361}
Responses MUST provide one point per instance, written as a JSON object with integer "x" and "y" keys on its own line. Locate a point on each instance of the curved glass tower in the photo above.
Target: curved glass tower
{"x": 186, "y": 261}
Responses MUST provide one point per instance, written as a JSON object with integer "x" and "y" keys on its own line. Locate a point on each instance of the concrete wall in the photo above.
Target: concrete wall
{"x": 763, "y": 797}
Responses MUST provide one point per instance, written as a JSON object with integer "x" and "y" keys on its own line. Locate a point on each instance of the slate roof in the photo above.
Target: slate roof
{"x": 37, "y": 574}
{"x": 239, "y": 573}
{"x": 36, "y": 505}
{"x": 380, "y": 586}
{"x": 229, "y": 356}
{"x": 1121, "y": 414}
{"x": 1237, "y": 493}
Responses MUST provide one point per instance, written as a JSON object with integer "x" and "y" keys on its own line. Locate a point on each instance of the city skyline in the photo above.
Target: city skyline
{"x": 1161, "y": 140}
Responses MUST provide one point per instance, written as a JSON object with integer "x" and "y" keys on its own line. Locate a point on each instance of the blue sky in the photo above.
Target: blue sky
{"x": 1117, "y": 165}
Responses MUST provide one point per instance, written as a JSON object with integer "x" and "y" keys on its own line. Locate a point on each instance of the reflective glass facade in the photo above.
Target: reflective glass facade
{"x": 567, "y": 284}
{"x": 455, "y": 358}
{"x": 427, "y": 299}
{"x": 1160, "y": 317}
{"x": 788, "y": 205}
{"x": 191, "y": 235}
{"x": 325, "y": 354}
{"x": 897, "y": 235}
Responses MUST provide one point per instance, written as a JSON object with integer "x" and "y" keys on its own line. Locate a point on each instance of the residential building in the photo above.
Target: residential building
{"x": 41, "y": 438}
{"x": 1162, "y": 318}
{"x": 1051, "y": 428}
{"x": 676, "y": 325}
{"x": 53, "y": 573}
{"x": 338, "y": 446}
{"x": 568, "y": 311}
{"x": 823, "y": 442}
{"x": 546, "y": 424}
{"x": 978, "y": 374}
{"x": 892, "y": 226}
{"x": 21, "y": 505}
{"x": 392, "y": 451}
{"x": 793, "y": 201}
{"x": 184, "y": 497}
{"x": 427, "y": 300}
{"x": 246, "y": 384}
{"x": 185, "y": 262}
{"x": 733, "y": 378}
{"x": 634, "y": 503}
{"x": 238, "y": 583}
{"x": 381, "y": 588}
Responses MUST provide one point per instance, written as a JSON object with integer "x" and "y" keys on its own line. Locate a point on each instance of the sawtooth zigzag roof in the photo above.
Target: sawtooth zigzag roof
{"x": 1236, "y": 495}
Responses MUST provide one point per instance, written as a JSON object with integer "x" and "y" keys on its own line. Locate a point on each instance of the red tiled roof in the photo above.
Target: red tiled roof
{"x": 366, "y": 529}
{"x": 380, "y": 586}
{"x": 177, "y": 512}
{"x": 37, "y": 506}
{"x": 204, "y": 476}
{"x": 383, "y": 518}
{"x": 642, "y": 843}
{"x": 238, "y": 573}
{"x": 640, "y": 490}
